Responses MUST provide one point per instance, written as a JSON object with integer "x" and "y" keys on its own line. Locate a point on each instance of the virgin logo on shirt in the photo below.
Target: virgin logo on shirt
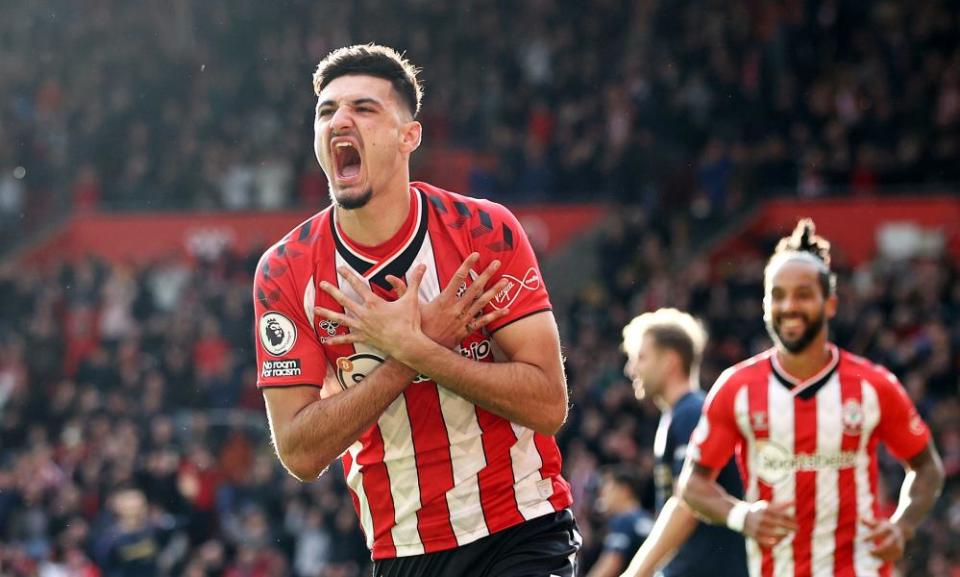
{"x": 515, "y": 286}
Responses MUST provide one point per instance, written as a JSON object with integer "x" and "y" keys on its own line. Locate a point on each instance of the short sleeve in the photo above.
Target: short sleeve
{"x": 288, "y": 350}
{"x": 901, "y": 428}
{"x": 716, "y": 435}
{"x": 525, "y": 293}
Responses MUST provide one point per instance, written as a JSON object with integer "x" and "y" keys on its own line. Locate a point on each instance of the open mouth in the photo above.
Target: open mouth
{"x": 347, "y": 160}
{"x": 792, "y": 324}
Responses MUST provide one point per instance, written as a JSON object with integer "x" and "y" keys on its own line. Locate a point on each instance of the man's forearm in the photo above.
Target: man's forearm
{"x": 704, "y": 496}
{"x": 674, "y": 526}
{"x": 324, "y": 429}
{"x": 919, "y": 492}
{"x": 517, "y": 391}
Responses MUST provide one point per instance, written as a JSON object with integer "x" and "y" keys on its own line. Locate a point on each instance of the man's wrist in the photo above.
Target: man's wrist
{"x": 737, "y": 517}
{"x": 907, "y": 530}
{"x": 414, "y": 349}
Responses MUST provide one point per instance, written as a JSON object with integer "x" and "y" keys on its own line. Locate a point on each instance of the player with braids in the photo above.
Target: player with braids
{"x": 805, "y": 419}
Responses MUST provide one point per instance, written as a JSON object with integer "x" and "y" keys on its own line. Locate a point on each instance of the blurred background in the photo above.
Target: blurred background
{"x": 654, "y": 151}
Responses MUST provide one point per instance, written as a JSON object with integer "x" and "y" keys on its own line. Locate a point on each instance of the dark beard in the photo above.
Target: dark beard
{"x": 352, "y": 203}
{"x": 801, "y": 343}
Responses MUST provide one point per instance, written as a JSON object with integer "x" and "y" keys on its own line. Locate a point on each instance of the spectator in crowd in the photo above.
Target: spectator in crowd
{"x": 628, "y": 523}
{"x": 732, "y": 98}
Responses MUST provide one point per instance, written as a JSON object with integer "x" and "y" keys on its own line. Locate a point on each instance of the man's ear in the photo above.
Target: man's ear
{"x": 410, "y": 136}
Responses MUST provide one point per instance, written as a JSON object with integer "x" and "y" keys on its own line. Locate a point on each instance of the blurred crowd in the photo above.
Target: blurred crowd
{"x": 695, "y": 103}
{"x": 133, "y": 440}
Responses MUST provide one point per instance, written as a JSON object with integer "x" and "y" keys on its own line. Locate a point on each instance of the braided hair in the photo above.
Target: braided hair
{"x": 805, "y": 244}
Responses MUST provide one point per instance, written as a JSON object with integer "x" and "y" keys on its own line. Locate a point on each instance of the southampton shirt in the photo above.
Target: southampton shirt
{"x": 436, "y": 471}
{"x": 813, "y": 443}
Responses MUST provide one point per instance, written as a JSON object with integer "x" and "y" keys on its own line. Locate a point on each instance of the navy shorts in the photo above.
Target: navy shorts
{"x": 543, "y": 547}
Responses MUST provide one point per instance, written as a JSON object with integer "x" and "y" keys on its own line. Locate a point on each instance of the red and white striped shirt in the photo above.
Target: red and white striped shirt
{"x": 813, "y": 443}
{"x": 436, "y": 471}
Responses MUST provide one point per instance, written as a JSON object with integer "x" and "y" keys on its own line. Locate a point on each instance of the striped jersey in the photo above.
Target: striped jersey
{"x": 814, "y": 443}
{"x": 436, "y": 471}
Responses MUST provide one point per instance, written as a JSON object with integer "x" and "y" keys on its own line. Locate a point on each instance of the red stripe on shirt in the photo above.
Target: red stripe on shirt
{"x": 758, "y": 401}
{"x": 497, "y": 496}
{"x": 376, "y": 482}
{"x": 550, "y": 456}
{"x": 846, "y": 533}
{"x": 886, "y": 570}
{"x": 434, "y": 468}
{"x": 805, "y": 492}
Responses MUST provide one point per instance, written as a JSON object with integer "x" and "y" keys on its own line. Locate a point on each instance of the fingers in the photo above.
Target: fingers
{"x": 334, "y": 316}
{"x": 347, "y": 339}
{"x": 480, "y": 282}
{"x": 782, "y": 515}
{"x": 782, "y": 506}
{"x": 774, "y": 523}
{"x": 356, "y": 283}
{"x": 398, "y": 285}
{"x": 480, "y": 322}
{"x": 459, "y": 277}
{"x": 343, "y": 300}
{"x": 877, "y": 529}
{"x": 485, "y": 298}
{"x": 413, "y": 287}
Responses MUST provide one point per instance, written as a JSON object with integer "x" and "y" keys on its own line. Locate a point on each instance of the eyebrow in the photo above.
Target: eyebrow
{"x": 355, "y": 102}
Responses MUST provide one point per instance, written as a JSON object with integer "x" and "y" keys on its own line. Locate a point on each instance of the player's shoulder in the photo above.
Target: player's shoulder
{"x": 731, "y": 380}
{"x": 690, "y": 405}
{"x": 300, "y": 238}
{"x": 859, "y": 367}
{"x": 755, "y": 368}
{"x": 453, "y": 205}
{"x": 294, "y": 251}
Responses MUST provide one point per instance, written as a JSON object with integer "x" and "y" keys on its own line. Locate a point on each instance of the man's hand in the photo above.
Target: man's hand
{"x": 769, "y": 523}
{"x": 449, "y": 318}
{"x": 889, "y": 539}
{"x": 380, "y": 323}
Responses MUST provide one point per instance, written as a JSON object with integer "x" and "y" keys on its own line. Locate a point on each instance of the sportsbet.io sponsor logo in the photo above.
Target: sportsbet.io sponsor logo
{"x": 285, "y": 368}
{"x": 278, "y": 334}
{"x": 775, "y": 464}
{"x": 353, "y": 369}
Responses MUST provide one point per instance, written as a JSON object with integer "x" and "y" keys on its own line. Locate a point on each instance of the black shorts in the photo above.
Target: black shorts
{"x": 542, "y": 547}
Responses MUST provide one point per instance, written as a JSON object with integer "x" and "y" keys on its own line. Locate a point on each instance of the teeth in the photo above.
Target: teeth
{"x": 343, "y": 144}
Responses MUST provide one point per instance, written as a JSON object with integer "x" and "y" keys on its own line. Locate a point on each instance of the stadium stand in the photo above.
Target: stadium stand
{"x": 131, "y": 435}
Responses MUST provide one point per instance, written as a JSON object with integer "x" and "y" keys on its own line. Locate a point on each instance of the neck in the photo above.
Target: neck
{"x": 381, "y": 218}
{"x": 674, "y": 391}
{"x": 807, "y": 362}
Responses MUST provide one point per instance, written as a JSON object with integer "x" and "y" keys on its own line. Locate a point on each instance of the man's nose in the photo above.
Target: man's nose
{"x": 790, "y": 304}
{"x": 341, "y": 120}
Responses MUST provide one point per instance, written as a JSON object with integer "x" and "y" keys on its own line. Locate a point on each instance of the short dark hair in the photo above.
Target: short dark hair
{"x": 372, "y": 60}
{"x": 629, "y": 477}
{"x": 804, "y": 241}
